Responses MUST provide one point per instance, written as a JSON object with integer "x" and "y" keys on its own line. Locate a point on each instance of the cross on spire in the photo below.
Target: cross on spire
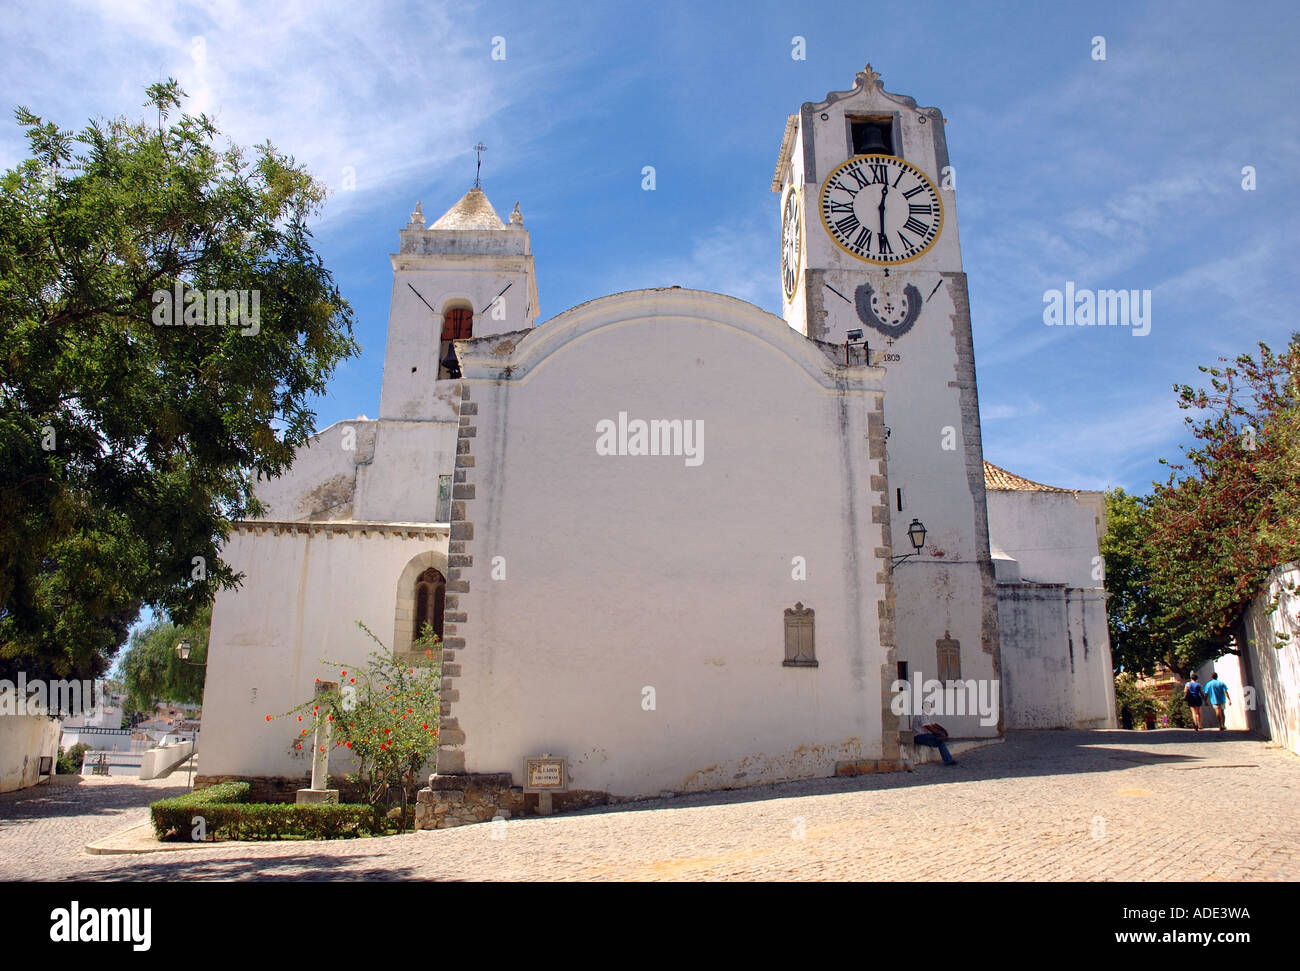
{"x": 479, "y": 149}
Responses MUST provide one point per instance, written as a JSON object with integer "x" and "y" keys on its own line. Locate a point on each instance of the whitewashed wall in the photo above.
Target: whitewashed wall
{"x": 23, "y": 740}
{"x": 635, "y": 572}
{"x": 304, "y": 591}
{"x": 1274, "y": 672}
{"x": 1056, "y": 662}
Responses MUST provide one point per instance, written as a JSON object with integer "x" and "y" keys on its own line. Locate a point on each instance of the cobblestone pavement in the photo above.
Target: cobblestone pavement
{"x": 46, "y": 826}
{"x": 1105, "y": 805}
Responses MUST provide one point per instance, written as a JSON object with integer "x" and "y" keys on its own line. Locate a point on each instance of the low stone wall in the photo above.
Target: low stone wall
{"x": 455, "y": 800}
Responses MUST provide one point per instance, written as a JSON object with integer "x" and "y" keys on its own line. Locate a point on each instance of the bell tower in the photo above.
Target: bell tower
{"x": 871, "y": 259}
{"x": 467, "y": 275}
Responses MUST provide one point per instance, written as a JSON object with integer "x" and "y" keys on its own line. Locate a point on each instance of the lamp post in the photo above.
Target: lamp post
{"x": 916, "y": 534}
{"x": 183, "y": 652}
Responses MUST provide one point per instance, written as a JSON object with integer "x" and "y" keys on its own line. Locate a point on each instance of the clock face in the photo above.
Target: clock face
{"x": 790, "y": 243}
{"x": 881, "y": 209}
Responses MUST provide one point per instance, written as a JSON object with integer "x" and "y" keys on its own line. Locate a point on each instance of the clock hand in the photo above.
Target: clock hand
{"x": 884, "y": 191}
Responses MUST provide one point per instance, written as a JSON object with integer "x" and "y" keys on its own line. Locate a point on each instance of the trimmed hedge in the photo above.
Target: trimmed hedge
{"x": 227, "y": 815}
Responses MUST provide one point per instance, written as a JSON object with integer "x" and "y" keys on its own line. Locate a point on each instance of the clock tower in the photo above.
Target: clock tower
{"x": 871, "y": 259}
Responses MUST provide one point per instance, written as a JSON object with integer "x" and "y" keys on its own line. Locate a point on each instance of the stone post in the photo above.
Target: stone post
{"x": 320, "y": 758}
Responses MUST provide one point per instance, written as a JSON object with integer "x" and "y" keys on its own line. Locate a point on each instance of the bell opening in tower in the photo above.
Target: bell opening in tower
{"x": 457, "y": 324}
{"x": 872, "y": 136}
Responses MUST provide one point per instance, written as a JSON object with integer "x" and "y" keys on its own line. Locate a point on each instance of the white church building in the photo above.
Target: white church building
{"x": 666, "y": 535}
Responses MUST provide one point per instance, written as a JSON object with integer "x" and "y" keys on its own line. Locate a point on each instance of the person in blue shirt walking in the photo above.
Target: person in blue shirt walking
{"x": 1216, "y": 693}
{"x": 1193, "y": 694}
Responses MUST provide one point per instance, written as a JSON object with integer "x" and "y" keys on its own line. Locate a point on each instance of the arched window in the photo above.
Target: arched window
{"x": 457, "y": 324}
{"x": 430, "y": 596}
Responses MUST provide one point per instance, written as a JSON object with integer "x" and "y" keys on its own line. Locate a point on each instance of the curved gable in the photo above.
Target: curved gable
{"x": 516, "y": 355}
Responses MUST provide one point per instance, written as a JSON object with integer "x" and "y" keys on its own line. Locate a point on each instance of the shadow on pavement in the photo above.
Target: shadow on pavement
{"x": 298, "y": 868}
{"x": 1022, "y": 755}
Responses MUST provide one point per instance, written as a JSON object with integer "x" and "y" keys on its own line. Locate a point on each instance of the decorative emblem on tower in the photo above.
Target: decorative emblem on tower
{"x": 868, "y": 78}
{"x": 888, "y": 310}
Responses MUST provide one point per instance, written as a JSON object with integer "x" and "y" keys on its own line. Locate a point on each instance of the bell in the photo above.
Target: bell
{"x": 872, "y": 142}
{"x": 449, "y": 363}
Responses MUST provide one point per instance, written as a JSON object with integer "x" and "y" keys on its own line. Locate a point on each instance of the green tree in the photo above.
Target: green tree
{"x": 127, "y": 448}
{"x": 1143, "y": 604}
{"x": 1183, "y": 563}
{"x": 69, "y": 762}
{"x": 1230, "y": 512}
{"x": 1141, "y": 702}
{"x": 152, "y": 671}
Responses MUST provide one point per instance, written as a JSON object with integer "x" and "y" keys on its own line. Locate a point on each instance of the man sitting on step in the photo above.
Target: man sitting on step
{"x": 926, "y": 731}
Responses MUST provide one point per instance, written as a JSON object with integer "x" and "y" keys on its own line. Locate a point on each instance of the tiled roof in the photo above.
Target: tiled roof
{"x": 999, "y": 478}
{"x": 472, "y": 212}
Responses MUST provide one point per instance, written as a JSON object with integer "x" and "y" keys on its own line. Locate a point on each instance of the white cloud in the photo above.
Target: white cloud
{"x": 393, "y": 94}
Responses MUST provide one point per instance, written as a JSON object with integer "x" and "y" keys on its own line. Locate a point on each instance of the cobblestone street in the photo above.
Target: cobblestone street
{"x": 1106, "y": 805}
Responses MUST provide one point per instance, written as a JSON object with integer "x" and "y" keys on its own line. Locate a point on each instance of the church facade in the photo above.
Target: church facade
{"x": 675, "y": 540}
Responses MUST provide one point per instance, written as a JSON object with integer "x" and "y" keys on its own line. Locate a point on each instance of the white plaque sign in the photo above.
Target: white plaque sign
{"x": 545, "y": 773}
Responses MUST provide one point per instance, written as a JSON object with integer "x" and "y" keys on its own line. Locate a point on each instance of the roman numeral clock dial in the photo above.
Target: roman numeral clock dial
{"x": 790, "y": 244}
{"x": 881, "y": 209}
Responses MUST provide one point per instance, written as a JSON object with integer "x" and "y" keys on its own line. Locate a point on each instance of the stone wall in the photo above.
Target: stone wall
{"x": 455, "y": 800}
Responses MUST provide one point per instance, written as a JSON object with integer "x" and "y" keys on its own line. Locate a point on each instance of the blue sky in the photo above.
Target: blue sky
{"x": 1123, "y": 173}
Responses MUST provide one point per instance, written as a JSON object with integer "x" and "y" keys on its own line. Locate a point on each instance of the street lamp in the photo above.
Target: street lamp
{"x": 916, "y": 535}
{"x": 183, "y": 652}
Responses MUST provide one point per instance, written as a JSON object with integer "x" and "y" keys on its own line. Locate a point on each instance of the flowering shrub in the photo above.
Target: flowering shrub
{"x": 384, "y": 714}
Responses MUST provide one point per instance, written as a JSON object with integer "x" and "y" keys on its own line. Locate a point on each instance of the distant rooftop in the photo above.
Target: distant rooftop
{"x": 1001, "y": 479}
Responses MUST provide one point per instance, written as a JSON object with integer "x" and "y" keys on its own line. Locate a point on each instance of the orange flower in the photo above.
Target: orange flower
{"x": 268, "y": 717}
